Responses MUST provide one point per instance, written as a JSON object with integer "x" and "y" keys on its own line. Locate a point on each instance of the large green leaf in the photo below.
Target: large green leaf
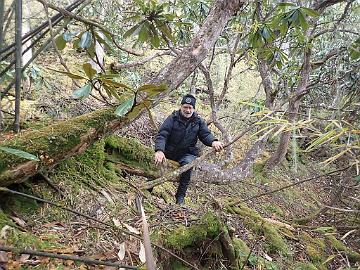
{"x": 152, "y": 88}
{"x": 286, "y": 5}
{"x": 89, "y": 70}
{"x": 354, "y": 50}
{"x": 60, "y": 42}
{"x": 19, "y": 153}
{"x": 125, "y": 107}
{"x": 71, "y": 75}
{"x": 86, "y": 40}
{"x": 136, "y": 109}
{"x": 112, "y": 91}
{"x": 133, "y": 30}
{"x": 114, "y": 84}
{"x": 310, "y": 12}
{"x": 303, "y": 23}
{"x": 144, "y": 32}
{"x": 83, "y": 91}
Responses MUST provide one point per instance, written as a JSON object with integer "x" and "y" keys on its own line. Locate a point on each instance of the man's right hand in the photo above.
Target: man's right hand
{"x": 159, "y": 157}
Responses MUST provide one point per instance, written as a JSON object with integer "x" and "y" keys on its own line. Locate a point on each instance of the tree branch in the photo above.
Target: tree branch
{"x": 88, "y": 22}
{"x": 64, "y": 257}
{"x": 143, "y": 61}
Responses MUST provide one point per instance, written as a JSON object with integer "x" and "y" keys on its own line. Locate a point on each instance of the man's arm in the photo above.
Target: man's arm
{"x": 161, "y": 138}
{"x": 163, "y": 134}
{"x": 207, "y": 138}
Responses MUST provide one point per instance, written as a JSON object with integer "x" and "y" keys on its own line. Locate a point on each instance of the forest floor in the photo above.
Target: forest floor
{"x": 281, "y": 230}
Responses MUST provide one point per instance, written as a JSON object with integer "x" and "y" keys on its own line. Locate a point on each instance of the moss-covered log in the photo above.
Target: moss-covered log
{"x": 55, "y": 143}
{"x": 59, "y": 141}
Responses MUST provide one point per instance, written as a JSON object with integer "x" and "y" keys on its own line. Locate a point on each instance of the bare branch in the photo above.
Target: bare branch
{"x": 143, "y": 61}
{"x": 87, "y": 22}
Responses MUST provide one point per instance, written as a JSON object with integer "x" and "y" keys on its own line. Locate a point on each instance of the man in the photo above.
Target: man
{"x": 177, "y": 140}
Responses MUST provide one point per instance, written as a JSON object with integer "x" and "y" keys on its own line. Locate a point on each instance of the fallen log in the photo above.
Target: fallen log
{"x": 62, "y": 140}
{"x": 54, "y": 143}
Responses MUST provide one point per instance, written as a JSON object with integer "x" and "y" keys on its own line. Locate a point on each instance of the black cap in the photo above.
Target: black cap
{"x": 189, "y": 99}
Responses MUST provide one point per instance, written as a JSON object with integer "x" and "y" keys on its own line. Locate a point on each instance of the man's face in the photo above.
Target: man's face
{"x": 187, "y": 110}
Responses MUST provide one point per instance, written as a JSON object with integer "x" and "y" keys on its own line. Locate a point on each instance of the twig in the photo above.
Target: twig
{"x": 150, "y": 262}
{"x": 287, "y": 186}
{"x": 65, "y": 257}
{"x": 87, "y": 22}
{"x": 143, "y": 61}
{"x": 4, "y": 189}
{"x": 46, "y": 8}
{"x": 342, "y": 210}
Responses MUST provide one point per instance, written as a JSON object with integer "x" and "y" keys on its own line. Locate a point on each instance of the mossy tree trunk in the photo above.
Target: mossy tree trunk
{"x": 65, "y": 139}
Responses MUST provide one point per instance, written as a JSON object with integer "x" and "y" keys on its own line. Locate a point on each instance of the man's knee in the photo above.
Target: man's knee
{"x": 186, "y": 159}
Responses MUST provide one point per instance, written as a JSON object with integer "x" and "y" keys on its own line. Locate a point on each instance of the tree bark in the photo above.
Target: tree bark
{"x": 267, "y": 83}
{"x": 65, "y": 139}
{"x": 294, "y": 104}
{"x": 2, "y": 10}
{"x": 187, "y": 61}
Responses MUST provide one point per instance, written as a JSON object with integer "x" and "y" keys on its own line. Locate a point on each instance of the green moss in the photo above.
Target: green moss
{"x": 164, "y": 191}
{"x": 130, "y": 152}
{"x": 253, "y": 221}
{"x": 23, "y": 240}
{"x": 53, "y": 140}
{"x": 338, "y": 245}
{"x": 4, "y": 220}
{"x": 305, "y": 266}
{"x": 177, "y": 265}
{"x": 208, "y": 227}
{"x": 20, "y": 205}
{"x": 315, "y": 247}
{"x": 273, "y": 208}
{"x": 274, "y": 240}
{"x": 241, "y": 250}
{"x": 130, "y": 148}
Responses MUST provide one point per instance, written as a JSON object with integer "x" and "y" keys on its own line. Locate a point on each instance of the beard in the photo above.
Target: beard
{"x": 186, "y": 114}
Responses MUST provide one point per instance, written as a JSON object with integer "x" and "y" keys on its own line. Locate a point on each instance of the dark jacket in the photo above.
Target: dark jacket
{"x": 178, "y": 137}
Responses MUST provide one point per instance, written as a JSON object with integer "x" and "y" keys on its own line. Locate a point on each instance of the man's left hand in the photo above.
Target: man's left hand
{"x": 217, "y": 145}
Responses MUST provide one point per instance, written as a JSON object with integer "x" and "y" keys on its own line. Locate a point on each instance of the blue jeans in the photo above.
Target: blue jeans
{"x": 185, "y": 176}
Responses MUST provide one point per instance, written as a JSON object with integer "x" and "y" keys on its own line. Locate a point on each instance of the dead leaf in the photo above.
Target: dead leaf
{"x": 268, "y": 257}
{"x": 131, "y": 229}
{"x": 3, "y": 257}
{"x": 116, "y": 223}
{"x": 107, "y": 196}
{"x": 121, "y": 253}
{"x": 19, "y": 221}
{"x": 142, "y": 256}
{"x": 24, "y": 258}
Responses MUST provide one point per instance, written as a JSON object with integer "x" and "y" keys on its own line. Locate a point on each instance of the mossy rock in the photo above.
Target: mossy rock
{"x": 208, "y": 227}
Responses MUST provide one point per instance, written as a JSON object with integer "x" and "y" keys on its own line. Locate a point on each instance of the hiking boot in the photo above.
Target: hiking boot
{"x": 180, "y": 200}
